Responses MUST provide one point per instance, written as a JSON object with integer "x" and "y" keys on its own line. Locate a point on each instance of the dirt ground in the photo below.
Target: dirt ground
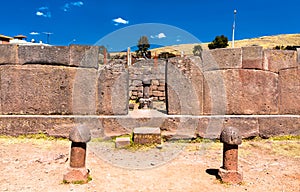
{"x": 39, "y": 165}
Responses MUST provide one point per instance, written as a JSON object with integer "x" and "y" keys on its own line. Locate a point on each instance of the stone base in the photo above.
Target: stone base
{"x": 79, "y": 175}
{"x": 122, "y": 142}
{"x": 228, "y": 176}
{"x": 147, "y": 135}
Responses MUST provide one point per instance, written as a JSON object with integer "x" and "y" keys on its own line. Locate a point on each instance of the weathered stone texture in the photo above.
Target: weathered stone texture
{"x": 252, "y": 57}
{"x": 112, "y": 93}
{"x": 278, "y": 125}
{"x": 147, "y": 135}
{"x": 248, "y": 126}
{"x": 36, "y": 89}
{"x": 84, "y": 56}
{"x": 247, "y": 92}
{"x": 55, "y": 55}
{"x": 289, "y": 83}
{"x": 229, "y": 58}
{"x": 276, "y": 60}
{"x": 298, "y": 55}
{"x": 184, "y": 87}
{"x": 8, "y": 54}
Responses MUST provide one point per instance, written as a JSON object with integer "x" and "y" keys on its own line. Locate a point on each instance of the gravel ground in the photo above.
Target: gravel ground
{"x": 39, "y": 165}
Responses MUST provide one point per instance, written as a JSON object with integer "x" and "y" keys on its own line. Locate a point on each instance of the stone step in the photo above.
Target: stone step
{"x": 147, "y": 135}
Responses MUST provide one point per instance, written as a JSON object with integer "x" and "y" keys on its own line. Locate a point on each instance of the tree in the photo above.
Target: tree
{"x": 143, "y": 46}
{"x": 219, "y": 42}
{"x": 197, "y": 51}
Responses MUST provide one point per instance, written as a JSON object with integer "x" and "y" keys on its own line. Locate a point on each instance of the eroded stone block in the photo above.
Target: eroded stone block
{"x": 147, "y": 135}
{"x": 276, "y": 126}
{"x": 112, "y": 90}
{"x": 229, "y": 58}
{"x": 252, "y": 57}
{"x": 276, "y": 60}
{"x": 8, "y": 54}
{"x": 39, "y": 54}
{"x": 246, "y": 92}
{"x": 289, "y": 83}
{"x": 84, "y": 56}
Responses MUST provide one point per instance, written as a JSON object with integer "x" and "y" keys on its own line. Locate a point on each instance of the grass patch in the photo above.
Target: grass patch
{"x": 285, "y": 138}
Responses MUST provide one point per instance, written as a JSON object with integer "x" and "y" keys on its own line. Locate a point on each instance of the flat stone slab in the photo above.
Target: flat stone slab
{"x": 147, "y": 135}
{"x": 122, "y": 142}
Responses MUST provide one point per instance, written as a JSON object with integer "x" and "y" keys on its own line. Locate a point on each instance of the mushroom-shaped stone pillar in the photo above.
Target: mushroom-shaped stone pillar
{"x": 79, "y": 136}
{"x": 231, "y": 138}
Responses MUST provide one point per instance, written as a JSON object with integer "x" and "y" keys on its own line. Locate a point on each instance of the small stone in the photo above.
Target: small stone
{"x": 122, "y": 142}
{"x": 231, "y": 136}
{"x": 80, "y": 134}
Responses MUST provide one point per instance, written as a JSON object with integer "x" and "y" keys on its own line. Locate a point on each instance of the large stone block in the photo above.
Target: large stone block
{"x": 279, "y": 125}
{"x": 8, "y": 54}
{"x": 56, "y": 55}
{"x": 276, "y": 60}
{"x": 21, "y": 125}
{"x": 289, "y": 87}
{"x": 36, "y": 89}
{"x": 84, "y": 56}
{"x": 113, "y": 90}
{"x": 40, "y": 89}
{"x": 229, "y": 58}
{"x": 246, "y": 92}
{"x": 248, "y": 126}
{"x": 84, "y": 95}
{"x": 184, "y": 87}
{"x": 252, "y": 57}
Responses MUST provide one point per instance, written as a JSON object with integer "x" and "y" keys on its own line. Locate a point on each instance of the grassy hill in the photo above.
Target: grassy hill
{"x": 267, "y": 42}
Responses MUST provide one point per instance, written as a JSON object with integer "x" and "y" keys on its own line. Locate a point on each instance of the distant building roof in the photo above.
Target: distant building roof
{"x": 5, "y": 37}
{"x": 20, "y": 37}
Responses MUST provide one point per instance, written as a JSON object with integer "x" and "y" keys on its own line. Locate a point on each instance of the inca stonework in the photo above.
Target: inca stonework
{"x": 51, "y": 89}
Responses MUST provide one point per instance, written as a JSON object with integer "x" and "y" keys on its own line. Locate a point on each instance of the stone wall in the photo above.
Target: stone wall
{"x": 52, "y": 89}
{"x": 147, "y": 70}
{"x": 240, "y": 81}
{"x": 60, "y": 80}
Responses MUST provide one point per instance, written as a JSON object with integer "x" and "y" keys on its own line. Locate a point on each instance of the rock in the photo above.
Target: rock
{"x": 122, "y": 142}
{"x": 147, "y": 135}
{"x": 252, "y": 57}
{"x": 84, "y": 56}
{"x": 276, "y": 60}
{"x": 231, "y": 136}
{"x": 9, "y": 54}
{"x": 40, "y": 54}
{"x": 240, "y": 91}
{"x": 289, "y": 83}
{"x": 80, "y": 134}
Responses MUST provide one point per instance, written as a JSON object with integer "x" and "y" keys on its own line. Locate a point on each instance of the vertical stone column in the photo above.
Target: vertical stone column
{"x": 229, "y": 173}
{"x": 77, "y": 172}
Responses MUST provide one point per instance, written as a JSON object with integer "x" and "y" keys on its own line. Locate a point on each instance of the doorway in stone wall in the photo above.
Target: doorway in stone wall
{"x": 147, "y": 85}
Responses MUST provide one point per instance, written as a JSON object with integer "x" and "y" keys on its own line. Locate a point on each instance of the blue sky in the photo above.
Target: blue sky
{"x": 177, "y": 21}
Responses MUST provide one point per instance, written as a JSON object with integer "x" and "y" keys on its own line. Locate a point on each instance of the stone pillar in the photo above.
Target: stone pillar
{"x": 77, "y": 172}
{"x": 229, "y": 173}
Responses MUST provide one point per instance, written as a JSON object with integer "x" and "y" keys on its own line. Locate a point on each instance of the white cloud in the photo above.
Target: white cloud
{"x": 34, "y": 33}
{"x": 38, "y": 13}
{"x": 68, "y": 6}
{"x": 77, "y": 4}
{"x": 159, "y": 36}
{"x": 120, "y": 21}
{"x": 43, "y": 12}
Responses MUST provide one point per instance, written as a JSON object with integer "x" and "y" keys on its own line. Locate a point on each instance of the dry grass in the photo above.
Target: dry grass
{"x": 267, "y": 42}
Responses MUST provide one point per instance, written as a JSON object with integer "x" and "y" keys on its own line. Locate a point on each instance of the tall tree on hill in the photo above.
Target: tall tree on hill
{"x": 219, "y": 42}
{"x": 143, "y": 46}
